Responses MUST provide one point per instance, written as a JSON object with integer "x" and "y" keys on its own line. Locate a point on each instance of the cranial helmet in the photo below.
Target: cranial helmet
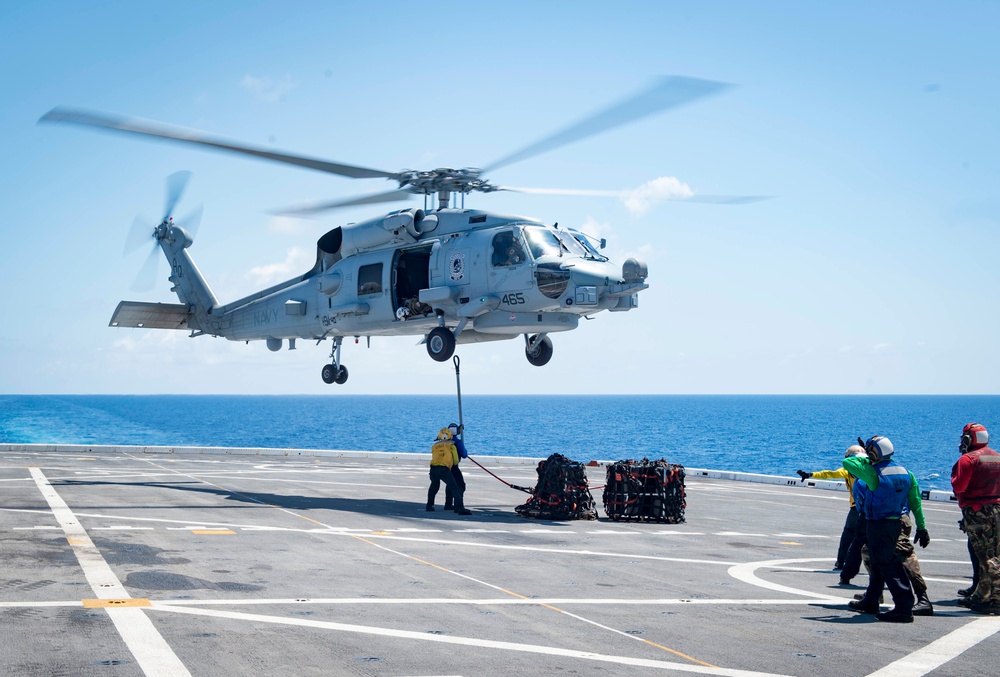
{"x": 854, "y": 450}
{"x": 444, "y": 434}
{"x": 453, "y": 429}
{"x": 974, "y": 436}
{"x": 878, "y": 448}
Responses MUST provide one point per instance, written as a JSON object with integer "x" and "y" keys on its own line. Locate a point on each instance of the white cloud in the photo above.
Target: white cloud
{"x": 597, "y": 229}
{"x": 287, "y": 225}
{"x": 641, "y": 199}
{"x": 602, "y": 230}
{"x": 297, "y": 262}
{"x": 881, "y": 346}
{"x": 267, "y": 89}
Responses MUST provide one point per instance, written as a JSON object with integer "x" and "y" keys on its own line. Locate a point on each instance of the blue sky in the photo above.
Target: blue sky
{"x": 874, "y": 126}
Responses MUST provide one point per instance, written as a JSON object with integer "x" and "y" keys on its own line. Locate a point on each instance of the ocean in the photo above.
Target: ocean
{"x": 749, "y": 433}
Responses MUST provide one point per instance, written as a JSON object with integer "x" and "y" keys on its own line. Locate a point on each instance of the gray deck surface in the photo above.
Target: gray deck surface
{"x": 271, "y": 565}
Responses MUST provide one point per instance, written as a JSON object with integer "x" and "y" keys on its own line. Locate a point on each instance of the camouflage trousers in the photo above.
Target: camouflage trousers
{"x": 906, "y": 555}
{"x": 983, "y": 529}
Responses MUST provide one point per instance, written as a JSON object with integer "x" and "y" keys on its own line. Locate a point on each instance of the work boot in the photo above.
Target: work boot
{"x": 838, "y": 566}
{"x": 861, "y": 595}
{"x": 895, "y": 616}
{"x": 449, "y": 506}
{"x": 966, "y": 602}
{"x": 844, "y": 581}
{"x": 923, "y": 607}
{"x": 862, "y": 608}
{"x": 965, "y": 592}
{"x": 430, "y": 507}
{"x": 463, "y": 511}
{"x": 988, "y": 607}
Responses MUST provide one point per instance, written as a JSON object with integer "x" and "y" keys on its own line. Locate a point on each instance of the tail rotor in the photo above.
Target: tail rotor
{"x": 141, "y": 233}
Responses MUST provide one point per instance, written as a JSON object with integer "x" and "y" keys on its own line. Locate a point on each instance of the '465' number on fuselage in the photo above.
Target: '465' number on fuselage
{"x": 513, "y": 299}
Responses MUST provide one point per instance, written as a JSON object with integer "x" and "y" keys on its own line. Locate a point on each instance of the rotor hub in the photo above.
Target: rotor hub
{"x": 444, "y": 179}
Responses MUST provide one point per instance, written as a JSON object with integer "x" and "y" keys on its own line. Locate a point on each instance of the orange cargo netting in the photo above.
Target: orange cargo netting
{"x": 562, "y": 492}
{"x": 645, "y": 491}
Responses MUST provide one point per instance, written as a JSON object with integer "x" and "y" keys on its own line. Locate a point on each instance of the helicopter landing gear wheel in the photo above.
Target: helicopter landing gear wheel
{"x": 335, "y": 372}
{"x": 440, "y": 344}
{"x": 538, "y": 349}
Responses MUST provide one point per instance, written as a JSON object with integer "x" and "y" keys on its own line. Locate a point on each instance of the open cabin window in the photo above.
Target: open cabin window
{"x": 370, "y": 279}
{"x": 507, "y": 250}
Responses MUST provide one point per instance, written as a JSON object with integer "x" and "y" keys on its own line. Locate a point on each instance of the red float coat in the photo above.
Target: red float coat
{"x": 975, "y": 478}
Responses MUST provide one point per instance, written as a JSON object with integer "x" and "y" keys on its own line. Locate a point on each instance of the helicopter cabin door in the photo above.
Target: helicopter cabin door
{"x": 410, "y": 274}
{"x": 510, "y": 272}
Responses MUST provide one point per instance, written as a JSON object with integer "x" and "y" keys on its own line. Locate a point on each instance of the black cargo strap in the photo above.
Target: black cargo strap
{"x": 526, "y": 490}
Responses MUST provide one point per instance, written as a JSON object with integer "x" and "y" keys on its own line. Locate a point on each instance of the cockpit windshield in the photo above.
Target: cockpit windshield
{"x": 543, "y": 242}
{"x": 571, "y": 244}
{"x": 585, "y": 242}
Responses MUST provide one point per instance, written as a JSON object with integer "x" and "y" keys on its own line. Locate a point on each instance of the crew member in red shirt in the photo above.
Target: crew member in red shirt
{"x": 975, "y": 479}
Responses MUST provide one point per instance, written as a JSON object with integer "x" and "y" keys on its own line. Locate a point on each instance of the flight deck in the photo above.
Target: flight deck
{"x": 172, "y": 561}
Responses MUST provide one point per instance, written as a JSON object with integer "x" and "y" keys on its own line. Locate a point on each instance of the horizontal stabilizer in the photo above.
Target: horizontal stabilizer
{"x": 152, "y": 315}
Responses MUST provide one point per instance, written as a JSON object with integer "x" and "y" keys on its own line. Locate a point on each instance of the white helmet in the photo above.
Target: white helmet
{"x": 878, "y": 448}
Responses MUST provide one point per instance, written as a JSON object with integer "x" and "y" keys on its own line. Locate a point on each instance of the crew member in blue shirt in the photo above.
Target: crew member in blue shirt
{"x": 889, "y": 491}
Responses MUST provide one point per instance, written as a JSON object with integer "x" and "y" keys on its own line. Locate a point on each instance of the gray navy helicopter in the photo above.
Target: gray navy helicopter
{"x": 449, "y": 274}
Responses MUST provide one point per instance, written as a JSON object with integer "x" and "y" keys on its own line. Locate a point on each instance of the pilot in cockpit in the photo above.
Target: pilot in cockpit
{"x": 507, "y": 251}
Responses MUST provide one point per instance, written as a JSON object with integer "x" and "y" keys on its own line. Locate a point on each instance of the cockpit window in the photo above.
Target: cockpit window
{"x": 543, "y": 242}
{"x": 507, "y": 250}
{"x": 571, "y": 244}
{"x": 591, "y": 251}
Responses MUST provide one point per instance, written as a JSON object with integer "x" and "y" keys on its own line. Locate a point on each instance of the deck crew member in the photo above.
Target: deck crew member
{"x": 851, "y": 523}
{"x": 889, "y": 492}
{"x": 456, "y": 470}
{"x": 975, "y": 479}
{"x": 444, "y": 455}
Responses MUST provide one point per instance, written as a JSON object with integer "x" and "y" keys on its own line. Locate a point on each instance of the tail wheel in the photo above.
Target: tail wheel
{"x": 539, "y": 351}
{"x": 440, "y": 344}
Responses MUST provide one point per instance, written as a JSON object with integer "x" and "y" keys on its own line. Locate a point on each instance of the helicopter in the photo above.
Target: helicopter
{"x": 443, "y": 272}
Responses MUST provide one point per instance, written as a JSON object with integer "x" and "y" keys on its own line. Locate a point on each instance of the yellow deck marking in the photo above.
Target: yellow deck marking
{"x": 213, "y": 532}
{"x": 542, "y": 604}
{"x": 444, "y": 569}
{"x": 115, "y": 603}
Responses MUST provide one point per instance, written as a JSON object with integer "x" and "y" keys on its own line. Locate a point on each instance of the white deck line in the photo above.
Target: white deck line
{"x": 151, "y": 651}
{"x": 494, "y": 461}
{"x": 942, "y": 650}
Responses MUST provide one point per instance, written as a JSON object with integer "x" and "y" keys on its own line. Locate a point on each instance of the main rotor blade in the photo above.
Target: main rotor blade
{"x": 587, "y": 192}
{"x": 625, "y": 193}
{"x": 156, "y": 129}
{"x": 724, "y": 199}
{"x": 176, "y": 183}
{"x": 306, "y": 210}
{"x": 667, "y": 92}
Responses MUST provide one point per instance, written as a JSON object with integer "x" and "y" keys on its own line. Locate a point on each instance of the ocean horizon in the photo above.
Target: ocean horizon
{"x": 768, "y": 434}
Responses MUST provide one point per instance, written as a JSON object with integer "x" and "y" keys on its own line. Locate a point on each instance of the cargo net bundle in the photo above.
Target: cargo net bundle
{"x": 562, "y": 492}
{"x": 645, "y": 491}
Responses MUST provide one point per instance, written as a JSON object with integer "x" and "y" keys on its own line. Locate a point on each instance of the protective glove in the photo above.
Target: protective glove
{"x": 922, "y": 538}
{"x": 961, "y": 525}
{"x": 804, "y": 475}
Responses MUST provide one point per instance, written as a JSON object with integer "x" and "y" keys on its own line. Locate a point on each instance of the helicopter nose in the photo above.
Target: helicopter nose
{"x": 634, "y": 270}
